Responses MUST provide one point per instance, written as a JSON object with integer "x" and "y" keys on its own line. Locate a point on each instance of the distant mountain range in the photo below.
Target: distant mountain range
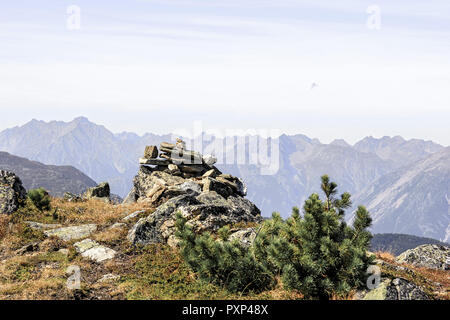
{"x": 397, "y": 150}
{"x": 399, "y": 243}
{"x": 366, "y": 170}
{"x": 414, "y": 199}
{"x": 55, "y": 179}
{"x": 89, "y": 147}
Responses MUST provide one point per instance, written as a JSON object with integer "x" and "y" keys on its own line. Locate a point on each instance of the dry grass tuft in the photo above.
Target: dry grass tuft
{"x": 111, "y": 236}
{"x": 151, "y": 272}
{"x": 93, "y": 211}
{"x": 436, "y": 283}
{"x": 439, "y": 278}
{"x": 386, "y": 256}
{"x": 4, "y": 225}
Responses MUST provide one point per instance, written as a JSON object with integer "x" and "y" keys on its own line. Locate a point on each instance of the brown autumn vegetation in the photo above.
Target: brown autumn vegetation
{"x": 150, "y": 272}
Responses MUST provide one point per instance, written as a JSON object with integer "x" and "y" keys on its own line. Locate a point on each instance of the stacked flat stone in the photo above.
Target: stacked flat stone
{"x": 178, "y": 172}
{"x": 177, "y": 159}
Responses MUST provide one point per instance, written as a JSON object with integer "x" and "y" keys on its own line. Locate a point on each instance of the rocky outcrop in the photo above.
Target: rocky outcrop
{"x": 394, "y": 289}
{"x": 428, "y": 255}
{"x": 396, "y": 283}
{"x": 100, "y": 192}
{"x": 204, "y": 212}
{"x": 179, "y": 171}
{"x": 12, "y": 192}
{"x": 206, "y": 197}
{"x": 157, "y": 185}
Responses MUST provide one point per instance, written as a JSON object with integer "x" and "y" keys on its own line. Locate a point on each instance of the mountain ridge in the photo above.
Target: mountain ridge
{"x": 55, "y": 179}
{"x": 420, "y": 193}
{"x": 113, "y": 157}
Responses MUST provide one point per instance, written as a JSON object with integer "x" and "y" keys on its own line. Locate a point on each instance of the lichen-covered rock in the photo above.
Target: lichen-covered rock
{"x": 90, "y": 249}
{"x": 147, "y": 179}
{"x": 100, "y": 192}
{"x": 190, "y": 186}
{"x": 245, "y": 236}
{"x": 157, "y": 184}
{"x": 428, "y": 255}
{"x": 70, "y": 197}
{"x": 72, "y": 233}
{"x": 394, "y": 289}
{"x": 12, "y": 192}
{"x": 211, "y": 184}
{"x": 148, "y": 230}
{"x": 205, "y": 212}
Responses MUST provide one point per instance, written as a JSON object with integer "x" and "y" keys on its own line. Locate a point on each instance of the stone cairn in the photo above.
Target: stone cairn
{"x": 168, "y": 171}
{"x": 174, "y": 179}
{"x": 176, "y": 160}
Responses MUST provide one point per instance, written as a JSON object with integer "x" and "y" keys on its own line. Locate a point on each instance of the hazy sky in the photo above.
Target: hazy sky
{"x": 311, "y": 67}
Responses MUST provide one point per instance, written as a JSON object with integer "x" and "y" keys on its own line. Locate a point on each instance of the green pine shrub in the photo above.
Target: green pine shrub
{"x": 222, "y": 262}
{"x": 40, "y": 198}
{"x": 317, "y": 254}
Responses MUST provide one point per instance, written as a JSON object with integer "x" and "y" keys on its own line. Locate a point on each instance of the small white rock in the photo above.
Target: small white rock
{"x": 94, "y": 251}
{"x": 99, "y": 254}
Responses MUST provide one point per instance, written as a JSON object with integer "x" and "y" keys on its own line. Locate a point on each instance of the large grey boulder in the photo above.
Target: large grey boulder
{"x": 12, "y": 192}
{"x": 211, "y": 184}
{"x": 155, "y": 185}
{"x": 72, "y": 233}
{"x": 394, "y": 289}
{"x": 428, "y": 255}
{"x": 148, "y": 179}
{"x": 205, "y": 212}
{"x": 100, "y": 192}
